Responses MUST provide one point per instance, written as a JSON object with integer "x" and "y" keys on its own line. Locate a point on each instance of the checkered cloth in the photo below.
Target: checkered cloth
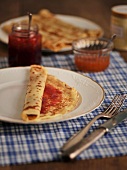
{"x": 41, "y": 143}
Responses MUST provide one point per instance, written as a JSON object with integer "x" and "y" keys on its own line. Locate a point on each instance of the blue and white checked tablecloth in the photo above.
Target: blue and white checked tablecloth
{"x": 42, "y": 143}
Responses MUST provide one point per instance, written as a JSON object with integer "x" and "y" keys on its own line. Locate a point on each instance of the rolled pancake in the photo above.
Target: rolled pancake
{"x": 47, "y": 96}
{"x": 35, "y": 90}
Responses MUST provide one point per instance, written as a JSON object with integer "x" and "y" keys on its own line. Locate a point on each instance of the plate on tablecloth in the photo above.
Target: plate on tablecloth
{"x": 13, "y": 83}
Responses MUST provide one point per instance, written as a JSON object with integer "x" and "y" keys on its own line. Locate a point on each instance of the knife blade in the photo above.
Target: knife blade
{"x": 75, "y": 150}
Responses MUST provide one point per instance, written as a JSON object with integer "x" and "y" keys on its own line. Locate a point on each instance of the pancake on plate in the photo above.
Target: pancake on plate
{"x": 47, "y": 97}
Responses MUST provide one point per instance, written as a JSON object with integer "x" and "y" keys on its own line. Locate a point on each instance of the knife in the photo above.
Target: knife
{"x": 75, "y": 150}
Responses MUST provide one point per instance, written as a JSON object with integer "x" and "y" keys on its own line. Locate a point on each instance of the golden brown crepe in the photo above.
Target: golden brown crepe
{"x": 47, "y": 96}
{"x": 35, "y": 90}
{"x": 58, "y": 98}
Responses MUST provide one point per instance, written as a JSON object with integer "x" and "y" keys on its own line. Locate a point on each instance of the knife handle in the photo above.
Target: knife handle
{"x": 79, "y": 135}
{"x": 75, "y": 150}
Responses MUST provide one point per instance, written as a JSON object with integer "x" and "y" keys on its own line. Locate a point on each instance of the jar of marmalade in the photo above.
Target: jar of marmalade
{"x": 24, "y": 46}
{"x": 92, "y": 55}
{"x": 119, "y": 26}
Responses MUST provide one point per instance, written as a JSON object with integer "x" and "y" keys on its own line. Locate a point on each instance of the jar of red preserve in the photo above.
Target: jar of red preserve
{"x": 24, "y": 46}
{"x": 92, "y": 55}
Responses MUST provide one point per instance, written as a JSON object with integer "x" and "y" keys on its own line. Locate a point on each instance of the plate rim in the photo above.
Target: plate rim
{"x": 11, "y": 120}
{"x": 4, "y": 40}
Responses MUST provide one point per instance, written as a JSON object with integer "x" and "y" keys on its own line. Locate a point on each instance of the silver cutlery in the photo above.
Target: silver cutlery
{"x": 110, "y": 40}
{"x": 74, "y": 151}
{"x": 111, "y": 111}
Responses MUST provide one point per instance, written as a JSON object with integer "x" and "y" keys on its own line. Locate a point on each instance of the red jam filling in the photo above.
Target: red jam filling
{"x": 51, "y": 97}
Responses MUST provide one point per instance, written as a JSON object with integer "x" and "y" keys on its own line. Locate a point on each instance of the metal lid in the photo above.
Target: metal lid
{"x": 119, "y": 11}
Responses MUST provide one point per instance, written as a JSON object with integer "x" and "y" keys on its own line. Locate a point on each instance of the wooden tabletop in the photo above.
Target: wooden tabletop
{"x": 97, "y": 11}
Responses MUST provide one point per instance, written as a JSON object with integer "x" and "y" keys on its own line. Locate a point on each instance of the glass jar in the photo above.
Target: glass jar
{"x": 24, "y": 47}
{"x": 119, "y": 26}
{"x": 92, "y": 55}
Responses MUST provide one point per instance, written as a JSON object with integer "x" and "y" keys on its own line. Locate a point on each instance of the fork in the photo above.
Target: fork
{"x": 111, "y": 111}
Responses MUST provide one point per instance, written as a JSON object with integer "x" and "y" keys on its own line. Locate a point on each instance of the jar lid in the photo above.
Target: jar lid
{"x": 119, "y": 11}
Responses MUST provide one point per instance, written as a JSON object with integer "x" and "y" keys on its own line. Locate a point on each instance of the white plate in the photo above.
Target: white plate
{"x": 76, "y": 21}
{"x": 13, "y": 83}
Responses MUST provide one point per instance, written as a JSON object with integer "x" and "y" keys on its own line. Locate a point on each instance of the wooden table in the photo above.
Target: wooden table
{"x": 97, "y": 11}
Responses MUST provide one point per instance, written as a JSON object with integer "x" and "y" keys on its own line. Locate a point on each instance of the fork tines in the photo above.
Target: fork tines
{"x": 116, "y": 103}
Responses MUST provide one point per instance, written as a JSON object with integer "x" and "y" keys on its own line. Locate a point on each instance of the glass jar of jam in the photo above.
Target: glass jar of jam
{"x": 92, "y": 55}
{"x": 24, "y": 47}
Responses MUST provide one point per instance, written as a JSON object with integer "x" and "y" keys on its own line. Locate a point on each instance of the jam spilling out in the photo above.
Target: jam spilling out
{"x": 51, "y": 97}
